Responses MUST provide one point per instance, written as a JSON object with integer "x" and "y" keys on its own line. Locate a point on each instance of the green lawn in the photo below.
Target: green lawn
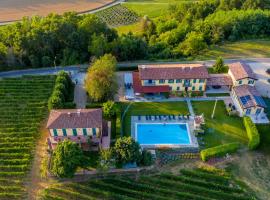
{"x": 217, "y": 94}
{"x": 152, "y": 108}
{"x": 223, "y": 128}
{"x": 258, "y": 48}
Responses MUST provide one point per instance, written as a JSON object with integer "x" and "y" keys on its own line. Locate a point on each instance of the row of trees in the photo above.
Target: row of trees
{"x": 185, "y": 30}
{"x": 68, "y": 156}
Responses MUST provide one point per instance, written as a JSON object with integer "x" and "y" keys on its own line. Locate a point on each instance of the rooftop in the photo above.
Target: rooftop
{"x": 73, "y": 118}
{"x": 138, "y": 88}
{"x": 219, "y": 80}
{"x": 248, "y": 96}
{"x": 173, "y": 71}
{"x": 241, "y": 70}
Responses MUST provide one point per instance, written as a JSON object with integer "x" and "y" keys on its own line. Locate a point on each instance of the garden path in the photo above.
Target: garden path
{"x": 80, "y": 97}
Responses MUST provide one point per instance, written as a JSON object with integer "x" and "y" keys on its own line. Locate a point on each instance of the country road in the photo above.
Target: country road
{"x": 77, "y": 68}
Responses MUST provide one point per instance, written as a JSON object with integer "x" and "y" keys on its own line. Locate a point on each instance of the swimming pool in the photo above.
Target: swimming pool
{"x": 162, "y": 134}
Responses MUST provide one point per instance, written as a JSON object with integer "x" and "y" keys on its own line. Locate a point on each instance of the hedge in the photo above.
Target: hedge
{"x": 218, "y": 151}
{"x": 60, "y": 94}
{"x": 252, "y": 133}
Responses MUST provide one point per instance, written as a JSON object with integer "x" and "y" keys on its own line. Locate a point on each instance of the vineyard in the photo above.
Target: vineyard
{"x": 190, "y": 184}
{"x": 118, "y": 16}
{"x": 23, "y": 105}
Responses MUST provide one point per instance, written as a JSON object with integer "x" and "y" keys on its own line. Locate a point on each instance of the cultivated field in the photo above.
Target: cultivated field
{"x": 23, "y": 106}
{"x": 197, "y": 184}
{"x": 16, "y": 9}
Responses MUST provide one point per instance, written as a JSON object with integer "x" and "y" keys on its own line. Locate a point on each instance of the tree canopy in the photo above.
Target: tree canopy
{"x": 66, "y": 158}
{"x": 101, "y": 83}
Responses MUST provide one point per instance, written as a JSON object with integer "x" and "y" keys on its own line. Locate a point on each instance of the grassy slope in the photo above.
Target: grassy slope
{"x": 223, "y": 128}
{"x": 256, "y": 48}
{"x": 153, "y": 108}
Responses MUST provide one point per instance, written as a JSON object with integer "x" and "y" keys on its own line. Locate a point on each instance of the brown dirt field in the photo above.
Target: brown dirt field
{"x": 12, "y": 10}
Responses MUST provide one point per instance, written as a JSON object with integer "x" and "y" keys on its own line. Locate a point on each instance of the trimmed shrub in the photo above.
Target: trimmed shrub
{"x": 146, "y": 159}
{"x": 252, "y": 133}
{"x": 218, "y": 151}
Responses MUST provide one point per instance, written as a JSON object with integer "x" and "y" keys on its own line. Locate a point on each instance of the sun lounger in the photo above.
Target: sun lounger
{"x": 160, "y": 117}
{"x": 169, "y": 117}
{"x": 146, "y": 117}
{"x": 139, "y": 117}
{"x": 173, "y": 117}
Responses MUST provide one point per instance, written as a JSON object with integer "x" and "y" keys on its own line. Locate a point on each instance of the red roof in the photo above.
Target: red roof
{"x": 219, "y": 80}
{"x": 73, "y": 118}
{"x": 138, "y": 88}
{"x": 173, "y": 71}
{"x": 241, "y": 70}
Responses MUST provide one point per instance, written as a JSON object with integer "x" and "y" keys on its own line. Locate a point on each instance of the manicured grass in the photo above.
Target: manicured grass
{"x": 151, "y": 108}
{"x": 223, "y": 128}
{"x": 259, "y": 48}
{"x": 217, "y": 94}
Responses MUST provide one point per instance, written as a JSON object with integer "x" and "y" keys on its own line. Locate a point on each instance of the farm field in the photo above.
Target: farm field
{"x": 23, "y": 106}
{"x": 153, "y": 108}
{"x": 223, "y": 128}
{"x": 12, "y": 10}
{"x": 151, "y": 8}
{"x": 197, "y": 184}
{"x": 118, "y": 16}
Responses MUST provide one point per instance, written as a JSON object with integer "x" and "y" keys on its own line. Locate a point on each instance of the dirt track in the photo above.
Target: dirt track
{"x": 12, "y": 10}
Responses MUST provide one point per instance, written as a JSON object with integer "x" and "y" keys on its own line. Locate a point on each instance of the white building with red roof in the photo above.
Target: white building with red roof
{"x": 83, "y": 126}
{"x": 151, "y": 79}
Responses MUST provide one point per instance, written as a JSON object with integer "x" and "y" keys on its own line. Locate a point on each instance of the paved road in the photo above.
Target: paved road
{"x": 76, "y": 68}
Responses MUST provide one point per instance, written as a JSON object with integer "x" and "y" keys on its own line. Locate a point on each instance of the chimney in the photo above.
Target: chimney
{"x": 78, "y": 112}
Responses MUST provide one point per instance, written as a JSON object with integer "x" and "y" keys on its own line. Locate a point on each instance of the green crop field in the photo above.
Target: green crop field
{"x": 118, "y": 16}
{"x": 23, "y": 105}
{"x": 198, "y": 184}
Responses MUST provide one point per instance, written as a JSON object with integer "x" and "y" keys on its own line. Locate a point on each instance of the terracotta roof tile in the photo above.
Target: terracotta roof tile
{"x": 248, "y": 96}
{"x": 241, "y": 70}
{"x": 219, "y": 80}
{"x": 173, "y": 71}
{"x": 73, "y": 118}
{"x": 138, "y": 88}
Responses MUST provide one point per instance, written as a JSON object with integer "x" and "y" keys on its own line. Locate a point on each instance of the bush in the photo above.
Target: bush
{"x": 109, "y": 109}
{"x": 218, "y": 151}
{"x": 69, "y": 105}
{"x": 252, "y": 133}
{"x": 67, "y": 157}
{"x": 146, "y": 159}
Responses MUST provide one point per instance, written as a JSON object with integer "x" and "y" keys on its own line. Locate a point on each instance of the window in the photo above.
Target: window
{"x": 194, "y": 80}
{"x": 193, "y": 87}
{"x": 171, "y": 81}
{"x": 150, "y": 81}
{"x": 55, "y": 132}
{"x": 178, "y": 88}
{"x": 250, "y": 82}
{"x": 170, "y": 88}
{"x": 240, "y": 82}
{"x": 84, "y": 132}
{"x": 64, "y": 132}
{"x": 74, "y": 131}
{"x": 258, "y": 111}
{"x": 248, "y": 111}
{"x": 161, "y": 81}
{"x": 200, "y": 88}
{"x": 201, "y": 81}
{"x": 178, "y": 80}
{"x": 94, "y": 131}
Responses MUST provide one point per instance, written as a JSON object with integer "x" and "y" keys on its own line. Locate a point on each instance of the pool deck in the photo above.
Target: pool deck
{"x": 193, "y": 140}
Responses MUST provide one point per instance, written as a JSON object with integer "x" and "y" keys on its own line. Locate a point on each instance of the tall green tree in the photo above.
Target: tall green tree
{"x": 219, "y": 66}
{"x": 101, "y": 83}
{"x": 126, "y": 150}
{"x": 66, "y": 158}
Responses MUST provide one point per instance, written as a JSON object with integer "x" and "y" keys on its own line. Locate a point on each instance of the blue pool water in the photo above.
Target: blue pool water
{"x": 162, "y": 134}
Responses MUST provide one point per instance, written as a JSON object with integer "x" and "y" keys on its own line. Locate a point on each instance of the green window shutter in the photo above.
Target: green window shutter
{"x": 74, "y": 132}
{"x": 64, "y": 132}
{"x": 55, "y": 132}
{"x": 94, "y": 131}
{"x": 84, "y": 132}
{"x": 193, "y": 87}
{"x": 200, "y": 88}
{"x": 194, "y": 80}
